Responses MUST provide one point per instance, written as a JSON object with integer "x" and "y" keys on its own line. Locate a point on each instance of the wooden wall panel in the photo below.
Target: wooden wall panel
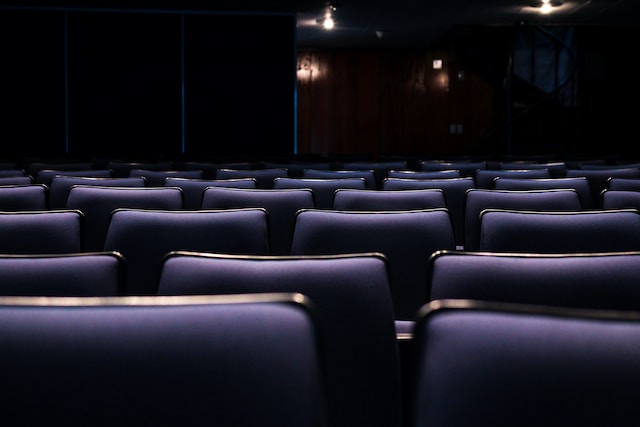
{"x": 377, "y": 103}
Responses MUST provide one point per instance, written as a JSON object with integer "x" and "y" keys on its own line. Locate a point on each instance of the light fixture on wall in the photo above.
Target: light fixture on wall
{"x": 546, "y": 6}
{"x": 327, "y": 21}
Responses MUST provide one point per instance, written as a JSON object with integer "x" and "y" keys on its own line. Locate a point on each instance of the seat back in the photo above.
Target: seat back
{"x": 351, "y": 296}
{"x": 41, "y": 232}
{"x": 455, "y": 190}
{"x": 580, "y": 184}
{"x": 171, "y": 361}
{"x": 192, "y": 189}
{"x": 605, "y": 280}
{"x": 406, "y": 238}
{"x": 323, "y": 188}
{"x": 16, "y": 180}
{"x": 382, "y": 200}
{"x": 466, "y": 168}
{"x": 281, "y": 206}
{"x": 510, "y": 364}
{"x": 598, "y": 178}
{"x": 97, "y": 203}
{"x": 46, "y": 175}
{"x": 478, "y": 199}
{"x": 485, "y": 178}
{"x": 367, "y": 174}
{"x": 628, "y": 184}
{"x": 157, "y": 178}
{"x": 61, "y": 184}
{"x": 558, "y": 232}
{"x": 264, "y": 177}
{"x": 80, "y": 274}
{"x": 411, "y": 174}
{"x": 144, "y": 237}
{"x": 26, "y": 197}
{"x": 620, "y": 199}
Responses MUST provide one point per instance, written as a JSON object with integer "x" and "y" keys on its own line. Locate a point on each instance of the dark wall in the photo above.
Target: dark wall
{"x": 140, "y": 85}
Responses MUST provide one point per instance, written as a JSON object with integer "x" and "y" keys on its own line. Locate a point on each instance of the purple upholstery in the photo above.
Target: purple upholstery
{"x": 478, "y": 199}
{"x": 156, "y": 178}
{"x": 61, "y": 184}
{"x": 193, "y": 189}
{"x": 620, "y": 199}
{"x": 351, "y": 296}
{"x": 26, "y": 197}
{"x": 557, "y": 232}
{"x": 485, "y": 178}
{"x": 381, "y": 200}
{"x": 75, "y": 274}
{"x": 488, "y": 365}
{"x": 367, "y": 174}
{"x": 281, "y": 206}
{"x": 409, "y": 174}
{"x": 323, "y": 188}
{"x": 455, "y": 190}
{"x": 406, "y": 238}
{"x": 144, "y": 237}
{"x": 41, "y": 232}
{"x": 264, "y": 177}
{"x": 97, "y": 203}
{"x": 46, "y": 175}
{"x": 580, "y": 184}
{"x": 598, "y": 178}
{"x": 606, "y": 280}
{"x": 172, "y": 361}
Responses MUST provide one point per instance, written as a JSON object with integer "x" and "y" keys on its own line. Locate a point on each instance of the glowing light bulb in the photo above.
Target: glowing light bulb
{"x": 328, "y": 23}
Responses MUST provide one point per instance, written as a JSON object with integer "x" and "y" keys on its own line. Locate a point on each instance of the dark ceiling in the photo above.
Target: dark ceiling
{"x": 382, "y": 24}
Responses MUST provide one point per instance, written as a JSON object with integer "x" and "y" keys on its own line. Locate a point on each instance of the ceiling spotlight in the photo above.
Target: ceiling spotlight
{"x": 327, "y": 22}
{"x": 546, "y": 6}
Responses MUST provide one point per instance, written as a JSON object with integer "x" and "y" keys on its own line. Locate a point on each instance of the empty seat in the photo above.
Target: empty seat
{"x": 627, "y": 184}
{"x": 598, "y": 178}
{"x": 406, "y": 238}
{"x": 351, "y": 296}
{"x": 455, "y": 190}
{"x": 410, "y": 174}
{"x": 479, "y": 199}
{"x": 605, "y": 280}
{"x": 233, "y": 360}
{"x": 323, "y": 188}
{"x": 12, "y": 172}
{"x": 121, "y": 168}
{"x": 16, "y": 180}
{"x": 557, "y": 169}
{"x": 559, "y": 232}
{"x": 144, "y": 237}
{"x": 81, "y": 274}
{"x": 264, "y": 177}
{"x": 192, "y": 189}
{"x": 23, "y": 197}
{"x": 381, "y": 200}
{"x": 620, "y": 199}
{"x": 97, "y": 203}
{"x": 380, "y": 169}
{"x": 485, "y": 178}
{"x": 281, "y": 206}
{"x": 61, "y": 184}
{"x": 579, "y": 183}
{"x": 34, "y": 168}
{"x": 156, "y": 178}
{"x": 41, "y": 232}
{"x": 496, "y": 364}
{"x": 368, "y": 175}
{"x": 46, "y": 175}
{"x": 466, "y": 168}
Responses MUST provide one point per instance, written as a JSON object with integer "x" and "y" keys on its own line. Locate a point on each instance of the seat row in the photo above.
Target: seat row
{"x": 462, "y": 200}
{"x": 500, "y": 334}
